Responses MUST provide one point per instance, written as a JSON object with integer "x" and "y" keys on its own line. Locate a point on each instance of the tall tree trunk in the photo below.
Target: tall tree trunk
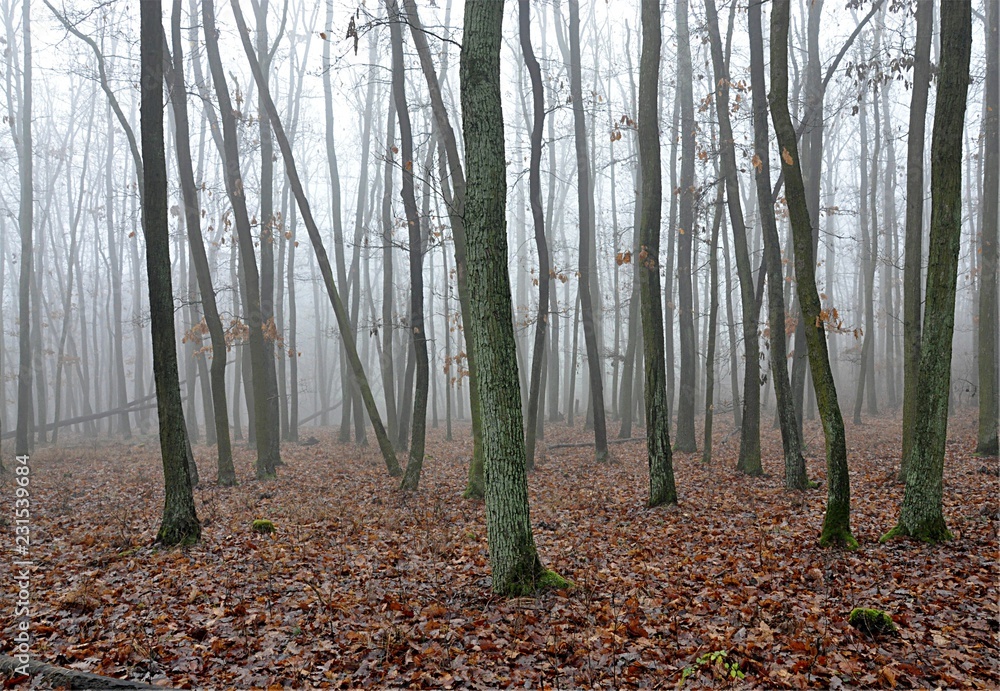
{"x": 180, "y": 523}
{"x": 795, "y": 465}
{"x": 266, "y": 458}
{"x": 453, "y": 189}
{"x": 921, "y": 516}
{"x": 418, "y": 330}
{"x": 713, "y": 316}
{"x": 25, "y": 220}
{"x": 660, "y": 460}
{"x": 685, "y": 438}
{"x": 343, "y": 319}
{"x": 837, "y": 521}
{"x": 584, "y": 196}
{"x": 189, "y": 194}
{"x": 749, "y": 458}
{"x": 989, "y": 334}
{"x": 537, "y": 215}
{"x": 514, "y": 560}
{"x": 913, "y": 243}
{"x": 388, "y": 285}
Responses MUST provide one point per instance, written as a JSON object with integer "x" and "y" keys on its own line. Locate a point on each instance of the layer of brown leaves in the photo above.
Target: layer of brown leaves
{"x": 363, "y": 585}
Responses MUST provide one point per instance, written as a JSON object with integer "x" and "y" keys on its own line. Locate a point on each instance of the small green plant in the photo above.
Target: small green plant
{"x": 720, "y": 664}
{"x": 873, "y": 622}
{"x": 262, "y": 526}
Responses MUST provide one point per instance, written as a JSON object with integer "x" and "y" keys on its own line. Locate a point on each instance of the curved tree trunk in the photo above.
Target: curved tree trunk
{"x": 837, "y": 522}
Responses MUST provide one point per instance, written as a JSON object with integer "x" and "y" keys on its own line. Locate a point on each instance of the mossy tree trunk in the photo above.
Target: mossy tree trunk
{"x": 513, "y": 557}
{"x": 180, "y": 522}
{"x": 837, "y": 522}
{"x": 921, "y": 516}
{"x": 661, "y": 465}
{"x": 795, "y": 465}
{"x": 322, "y": 258}
{"x": 989, "y": 347}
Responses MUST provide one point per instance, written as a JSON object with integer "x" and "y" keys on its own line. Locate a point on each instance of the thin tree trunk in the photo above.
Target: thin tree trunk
{"x": 836, "y": 523}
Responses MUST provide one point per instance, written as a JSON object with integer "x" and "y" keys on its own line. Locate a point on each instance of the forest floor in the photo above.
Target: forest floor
{"x": 362, "y": 585}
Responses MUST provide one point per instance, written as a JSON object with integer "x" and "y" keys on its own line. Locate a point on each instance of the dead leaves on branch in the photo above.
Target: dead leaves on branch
{"x": 361, "y": 585}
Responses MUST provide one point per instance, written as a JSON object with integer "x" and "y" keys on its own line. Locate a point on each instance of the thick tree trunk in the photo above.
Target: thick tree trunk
{"x": 660, "y": 460}
{"x": 514, "y": 560}
{"x": 180, "y": 524}
{"x": 921, "y": 516}
{"x": 25, "y": 220}
{"x": 837, "y": 522}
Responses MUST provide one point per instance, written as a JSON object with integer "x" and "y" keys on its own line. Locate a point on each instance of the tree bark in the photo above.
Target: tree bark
{"x": 180, "y": 523}
{"x": 837, "y": 521}
{"x": 685, "y": 438}
{"x": 25, "y": 220}
{"x": 989, "y": 335}
{"x": 921, "y": 516}
{"x": 913, "y": 243}
{"x": 795, "y": 465}
{"x": 513, "y": 558}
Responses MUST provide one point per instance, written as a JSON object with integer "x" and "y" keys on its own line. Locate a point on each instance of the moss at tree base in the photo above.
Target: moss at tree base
{"x": 931, "y": 534}
{"x": 837, "y": 537}
{"x": 178, "y": 535}
{"x": 873, "y": 622}
{"x": 546, "y": 580}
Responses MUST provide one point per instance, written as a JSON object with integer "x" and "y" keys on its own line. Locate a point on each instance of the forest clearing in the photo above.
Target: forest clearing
{"x": 362, "y": 584}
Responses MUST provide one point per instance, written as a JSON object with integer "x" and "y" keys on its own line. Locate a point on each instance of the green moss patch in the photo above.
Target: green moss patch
{"x": 873, "y": 622}
{"x": 262, "y": 526}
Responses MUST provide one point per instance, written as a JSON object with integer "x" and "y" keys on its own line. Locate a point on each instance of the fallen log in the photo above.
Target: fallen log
{"x": 67, "y": 678}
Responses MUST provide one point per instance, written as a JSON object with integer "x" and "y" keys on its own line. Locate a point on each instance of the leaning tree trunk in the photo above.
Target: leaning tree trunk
{"x": 586, "y": 231}
{"x": 514, "y": 560}
{"x": 921, "y": 516}
{"x": 203, "y": 271}
{"x": 837, "y": 522}
{"x": 913, "y": 243}
{"x": 322, "y": 258}
{"x": 418, "y": 332}
{"x": 795, "y": 465}
{"x": 989, "y": 397}
{"x": 180, "y": 523}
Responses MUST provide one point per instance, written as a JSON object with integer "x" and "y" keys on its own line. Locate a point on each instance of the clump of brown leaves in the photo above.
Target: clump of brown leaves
{"x": 362, "y": 585}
